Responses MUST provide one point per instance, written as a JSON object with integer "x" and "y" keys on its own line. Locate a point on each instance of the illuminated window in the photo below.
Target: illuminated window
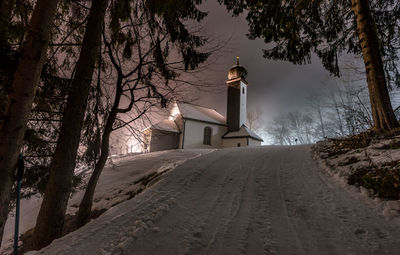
{"x": 207, "y": 136}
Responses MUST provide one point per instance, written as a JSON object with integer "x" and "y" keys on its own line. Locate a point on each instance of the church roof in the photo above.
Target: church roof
{"x": 166, "y": 125}
{"x": 196, "y": 112}
{"x": 243, "y": 132}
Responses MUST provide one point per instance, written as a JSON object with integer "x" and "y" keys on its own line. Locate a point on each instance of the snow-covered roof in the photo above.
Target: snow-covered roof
{"x": 196, "y": 112}
{"x": 166, "y": 125}
{"x": 243, "y": 132}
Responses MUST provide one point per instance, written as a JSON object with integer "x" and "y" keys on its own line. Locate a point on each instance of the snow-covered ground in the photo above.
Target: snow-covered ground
{"x": 118, "y": 182}
{"x": 350, "y": 165}
{"x": 378, "y": 152}
{"x": 266, "y": 200}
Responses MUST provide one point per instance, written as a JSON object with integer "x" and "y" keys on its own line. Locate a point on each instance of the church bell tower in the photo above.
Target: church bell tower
{"x": 237, "y": 97}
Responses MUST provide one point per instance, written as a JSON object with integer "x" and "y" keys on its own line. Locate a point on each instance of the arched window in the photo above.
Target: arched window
{"x": 207, "y": 136}
{"x": 243, "y": 90}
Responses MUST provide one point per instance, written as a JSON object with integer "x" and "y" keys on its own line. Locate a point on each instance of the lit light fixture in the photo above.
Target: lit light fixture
{"x": 174, "y": 112}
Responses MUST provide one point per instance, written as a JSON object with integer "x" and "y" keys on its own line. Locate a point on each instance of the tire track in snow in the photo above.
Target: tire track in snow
{"x": 198, "y": 243}
{"x": 184, "y": 226}
{"x": 229, "y": 216}
{"x": 238, "y": 227}
{"x": 235, "y": 219}
{"x": 262, "y": 216}
{"x": 227, "y": 207}
{"x": 150, "y": 210}
{"x": 289, "y": 242}
{"x": 250, "y": 229}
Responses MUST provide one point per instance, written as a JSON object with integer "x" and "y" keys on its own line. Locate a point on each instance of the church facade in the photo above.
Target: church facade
{"x": 192, "y": 126}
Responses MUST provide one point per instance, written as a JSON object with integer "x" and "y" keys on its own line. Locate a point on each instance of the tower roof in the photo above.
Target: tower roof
{"x": 243, "y": 132}
{"x": 237, "y": 71}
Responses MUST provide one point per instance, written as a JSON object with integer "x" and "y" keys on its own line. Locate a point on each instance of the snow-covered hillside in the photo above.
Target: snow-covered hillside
{"x": 119, "y": 181}
{"x": 267, "y": 200}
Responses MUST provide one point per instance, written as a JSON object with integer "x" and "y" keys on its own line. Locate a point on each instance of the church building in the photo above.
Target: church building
{"x": 192, "y": 126}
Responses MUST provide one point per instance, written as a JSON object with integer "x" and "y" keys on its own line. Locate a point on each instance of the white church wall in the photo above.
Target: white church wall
{"x": 233, "y": 142}
{"x": 194, "y": 133}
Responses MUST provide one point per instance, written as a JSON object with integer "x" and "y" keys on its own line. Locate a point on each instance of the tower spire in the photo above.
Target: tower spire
{"x": 237, "y": 60}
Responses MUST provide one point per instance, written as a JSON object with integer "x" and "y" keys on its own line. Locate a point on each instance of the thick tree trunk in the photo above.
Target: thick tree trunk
{"x": 50, "y": 220}
{"x": 85, "y": 206}
{"x": 382, "y": 111}
{"x": 19, "y": 101}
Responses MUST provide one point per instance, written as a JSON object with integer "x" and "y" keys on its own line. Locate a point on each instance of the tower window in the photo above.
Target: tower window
{"x": 207, "y": 136}
{"x": 243, "y": 90}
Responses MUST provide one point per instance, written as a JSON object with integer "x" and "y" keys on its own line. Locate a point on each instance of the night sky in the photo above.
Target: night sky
{"x": 275, "y": 86}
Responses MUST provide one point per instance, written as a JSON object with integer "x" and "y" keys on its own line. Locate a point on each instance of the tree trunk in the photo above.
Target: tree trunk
{"x": 85, "y": 206}
{"x": 19, "y": 101}
{"x": 6, "y": 69}
{"x": 50, "y": 220}
{"x": 382, "y": 111}
{"x": 6, "y": 7}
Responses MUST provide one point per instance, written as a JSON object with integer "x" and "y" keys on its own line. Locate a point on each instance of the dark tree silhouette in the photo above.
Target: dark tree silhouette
{"x": 50, "y": 220}
{"x": 20, "y": 98}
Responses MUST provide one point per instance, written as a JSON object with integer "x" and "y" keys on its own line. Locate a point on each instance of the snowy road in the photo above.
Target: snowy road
{"x": 270, "y": 200}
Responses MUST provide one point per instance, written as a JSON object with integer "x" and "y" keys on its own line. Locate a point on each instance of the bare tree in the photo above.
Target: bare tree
{"x": 293, "y": 128}
{"x": 316, "y": 102}
{"x": 280, "y": 132}
{"x": 254, "y": 119}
